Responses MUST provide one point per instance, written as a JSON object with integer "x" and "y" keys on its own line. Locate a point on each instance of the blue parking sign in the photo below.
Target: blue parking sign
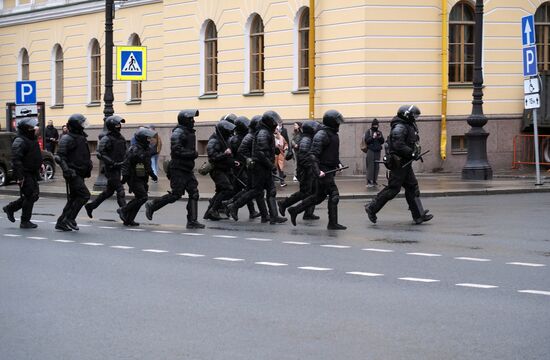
{"x": 530, "y": 61}
{"x": 25, "y": 92}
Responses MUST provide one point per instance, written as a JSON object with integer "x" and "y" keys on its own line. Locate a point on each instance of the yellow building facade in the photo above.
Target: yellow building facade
{"x": 371, "y": 56}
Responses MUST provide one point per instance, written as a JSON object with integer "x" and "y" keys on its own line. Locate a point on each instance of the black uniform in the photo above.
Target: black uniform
{"x": 263, "y": 157}
{"x": 403, "y": 146}
{"x": 111, "y": 150}
{"x": 73, "y": 156}
{"x": 304, "y": 171}
{"x": 136, "y": 170}
{"x": 26, "y": 162}
{"x": 180, "y": 170}
{"x": 324, "y": 156}
{"x": 222, "y": 163}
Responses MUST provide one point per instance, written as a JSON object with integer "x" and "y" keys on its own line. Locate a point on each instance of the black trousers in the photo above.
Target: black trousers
{"x": 326, "y": 186}
{"x": 373, "y": 168}
{"x": 224, "y": 187}
{"x": 28, "y": 195}
{"x": 113, "y": 185}
{"x": 261, "y": 180}
{"x": 181, "y": 181}
{"x": 139, "y": 187}
{"x": 76, "y": 198}
{"x": 308, "y": 186}
{"x": 401, "y": 177}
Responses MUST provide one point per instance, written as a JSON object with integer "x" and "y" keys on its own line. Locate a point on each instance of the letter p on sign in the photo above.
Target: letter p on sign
{"x": 25, "y": 92}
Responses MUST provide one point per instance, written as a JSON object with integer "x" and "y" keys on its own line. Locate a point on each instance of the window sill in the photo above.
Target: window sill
{"x": 301, "y": 91}
{"x": 133, "y": 102}
{"x": 208, "y": 96}
{"x": 93, "y": 104}
{"x": 461, "y": 86}
{"x": 257, "y": 93}
{"x": 459, "y": 152}
{"x": 57, "y": 106}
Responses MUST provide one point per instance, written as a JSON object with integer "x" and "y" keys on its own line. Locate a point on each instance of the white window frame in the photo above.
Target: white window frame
{"x": 296, "y": 49}
{"x": 54, "y": 75}
{"x": 20, "y": 64}
{"x": 90, "y": 48}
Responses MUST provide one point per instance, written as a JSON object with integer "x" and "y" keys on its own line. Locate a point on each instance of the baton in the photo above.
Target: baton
{"x": 335, "y": 170}
{"x": 240, "y": 181}
{"x": 410, "y": 161}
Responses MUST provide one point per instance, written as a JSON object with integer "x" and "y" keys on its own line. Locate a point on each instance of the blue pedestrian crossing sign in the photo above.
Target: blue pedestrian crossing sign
{"x": 528, "y": 30}
{"x": 131, "y": 63}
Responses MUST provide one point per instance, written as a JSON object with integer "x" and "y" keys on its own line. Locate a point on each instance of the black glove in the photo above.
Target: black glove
{"x": 154, "y": 177}
{"x": 124, "y": 179}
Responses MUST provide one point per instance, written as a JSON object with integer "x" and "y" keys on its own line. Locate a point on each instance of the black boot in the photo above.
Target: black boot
{"x": 27, "y": 225}
{"x": 9, "y": 213}
{"x": 252, "y": 213}
{"x": 309, "y": 215}
{"x": 262, "y": 208}
{"x": 333, "y": 217}
{"x": 232, "y": 211}
{"x": 89, "y": 209}
{"x": 293, "y": 212}
{"x": 192, "y": 213}
{"x": 274, "y": 217}
{"x": 371, "y": 213}
{"x": 121, "y": 215}
{"x": 149, "y": 210}
{"x": 62, "y": 225}
{"x": 282, "y": 207}
{"x": 419, "y": 214}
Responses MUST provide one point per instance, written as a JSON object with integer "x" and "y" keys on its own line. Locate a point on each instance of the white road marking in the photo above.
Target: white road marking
{"x": 86, "y": 225}
{"x": 11, "y": 235}
{"x": 379, "y": 250}
{"x": 192, "y": 234}
{"x": 162, "y": 231}
{"x": 92, "y": 244}
{"x": 36, "y": 238}
{"x": 266, "y": 263}
{"x": 478, "y": 286}
{"x": 190, "y": 255}
{"x": 296, "y": 243}
{"x": 121, "y": 247}
{"x": 155, "y": 251}
{"x": 471, "y": 259}
{"x": 52, "y": 222}
{"x": 313, "y": 268}
{"x": 525, "y": 264}
{"x": 64, "y": 241}
{"x": 418, "y": 279}
{"x": 107, "y": 227}
{"x": 133, "y": 229}
{"x": 360, "y": 273}
{"x": 423, "y": 254}
{"x": 38, "y": 221}
{"x": 536, "y": 292}
{"x": 336, "y": 246}
{"x": 225, "y": 236}
{"x": 257, "y": 239}
{"x": 228, "y": 259}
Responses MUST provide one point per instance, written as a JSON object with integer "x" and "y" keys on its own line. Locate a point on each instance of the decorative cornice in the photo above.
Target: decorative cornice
{"x": 41, "y": 12}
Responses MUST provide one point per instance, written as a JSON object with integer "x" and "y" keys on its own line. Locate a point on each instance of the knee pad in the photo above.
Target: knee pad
{"x": 194, "y": 195}
{"x": 334, "y": 199}
{"x": 272, "y": 193}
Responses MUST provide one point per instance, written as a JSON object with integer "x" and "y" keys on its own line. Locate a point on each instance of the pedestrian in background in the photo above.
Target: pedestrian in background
{"x": 282, "y": 146}
{"x": 156, "y": 147}
{"x": 64, "y": 131}
{"x": 374, "y": 140}
{"x": 52, "y": 136}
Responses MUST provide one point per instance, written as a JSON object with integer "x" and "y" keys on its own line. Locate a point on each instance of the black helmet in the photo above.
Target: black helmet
{"x": 186, "y": 117}
{"x": 225, "y": 128}
{"x": 271, "y": 119}
{"x": 229, "y": 117}
{"x": 408, "y": 113}
{"x": 241, "y": 125}
{"x": 143, "y": 134}
{"x": 253, "y": 126}
{"x": 333, "y": 119}
{"x": 77, "y": 123}
{"x": 113, "y": 123}
{"x": 310, "y": 127}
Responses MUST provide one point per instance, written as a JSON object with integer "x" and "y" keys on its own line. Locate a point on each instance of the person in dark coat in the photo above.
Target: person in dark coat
{"x": 73, "y": 156}
{"x": 52, "y": 137}
{"x": 374, "y": 140}
{"x": 324, "y": 156}
{"x": 403, "y": 148}
{"x": 136, "y": 171}
{"x": 112, "y": 151}
{"x": 26, "y": 162}
{"x": 180, "y": 170}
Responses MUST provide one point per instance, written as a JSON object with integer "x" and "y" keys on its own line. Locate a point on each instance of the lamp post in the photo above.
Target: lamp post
{"x": 477, "y": 167}
{"x": 108, "y": 97}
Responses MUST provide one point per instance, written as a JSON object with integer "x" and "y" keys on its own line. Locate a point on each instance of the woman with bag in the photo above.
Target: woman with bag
{"x": 156, "y": 146}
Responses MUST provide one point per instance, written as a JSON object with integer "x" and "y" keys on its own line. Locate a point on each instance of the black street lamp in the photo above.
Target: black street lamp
{"x": 108, "y": 97}
{"x": 477, "y": 167}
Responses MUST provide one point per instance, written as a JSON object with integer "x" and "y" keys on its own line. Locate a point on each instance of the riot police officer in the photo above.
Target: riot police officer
{"x": 111, "y": 150}
{"x": 180, "y": 170}
{"x": 221, "y": 158}
{"x": 402, "y": 148}
{"x": 73, "y": 156}
{"x": 136, "y": 170}
{"x": 324, "y": 156}
{"x": 26, "y": 162}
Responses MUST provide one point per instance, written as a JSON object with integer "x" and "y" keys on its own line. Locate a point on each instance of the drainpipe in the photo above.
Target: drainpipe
{"x": 311, "y": 59}
{"x": 444, "y": 79}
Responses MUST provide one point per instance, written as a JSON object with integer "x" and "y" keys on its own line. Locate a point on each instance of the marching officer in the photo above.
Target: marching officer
{"x": 403, "y": 148}
{"x": 180, "y": 170}
{"x": 111, "y": 150}
{"x": 26, "y": 162}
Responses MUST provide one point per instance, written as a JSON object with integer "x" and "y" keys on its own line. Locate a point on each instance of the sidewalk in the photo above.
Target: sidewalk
{"x": 351, "y": 187}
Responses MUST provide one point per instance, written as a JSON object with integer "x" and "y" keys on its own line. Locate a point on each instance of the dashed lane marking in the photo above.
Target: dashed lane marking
{"x": 336, "y": 246}
{"x": 36, "y": 238}
{"x": 92, "y": 244}
{"x": 266, "y": 263}
{"x": 228, "y": 259}
{"x": 225, "y": 236}
{"x": 418, "y": 279}
{"x": 471, "y": 259}
{"x": 88, "y": 225}
{"x": 536, "y": 292}
{"x": 38, "y": 221}
{"x": 155, "y": 251}
{"x": 121, "y": 247}
{"x": 162, "y": 231}
{"x": 525, "y": 264}
{"x": 478, "y": 286}
{"x": 314, "y": 268}
{"x": 192, "y": 234}
{"x": 64, "y": 241}
{"x": 296, "y": 243}
{"x": 11, "y": 235}
{"x": 423, "y": 254}
{"x": 132, "y": 229}
{"x": 107, "y": 227}
{"x": 257, "y": 239}
{"x": 379, "y": 250}
{"x": 190, "y": 255}
{"x": 361, "y": 273}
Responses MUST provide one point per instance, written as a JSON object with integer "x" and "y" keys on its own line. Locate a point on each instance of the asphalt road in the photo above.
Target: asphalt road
{"x": 472, "y": 284}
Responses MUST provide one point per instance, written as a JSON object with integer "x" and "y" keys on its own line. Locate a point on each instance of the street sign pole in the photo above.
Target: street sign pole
{"x": 536, "y": 134}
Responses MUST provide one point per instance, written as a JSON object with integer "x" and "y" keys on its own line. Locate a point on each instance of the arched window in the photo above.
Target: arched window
{"x": 24, "y": 64}
{"x": 257, "y": 55}
{"x": 211, "y": 58}
{"x": 58, "y": 75}
{"x": 303, "y": 50}
{"x": 135, "y": 85}
{"x": 95, "y": 72}
{"x": 461, "y": 43}
{"x": 542, "y": 29}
